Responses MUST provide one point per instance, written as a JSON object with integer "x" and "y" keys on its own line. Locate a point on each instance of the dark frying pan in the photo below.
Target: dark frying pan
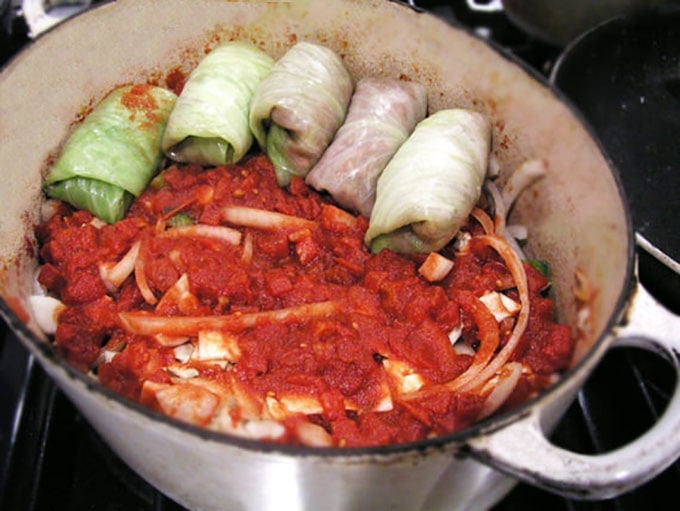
{"x": 624, "y": 75}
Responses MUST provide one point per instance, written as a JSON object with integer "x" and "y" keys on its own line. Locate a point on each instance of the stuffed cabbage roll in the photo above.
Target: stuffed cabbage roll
{"x": 209, "y": 124}
{"x": 299, "y": 106}
{"x": 112, "y": 155}
{"x": 428, "y": 189}
{"x": 382, "y": 114}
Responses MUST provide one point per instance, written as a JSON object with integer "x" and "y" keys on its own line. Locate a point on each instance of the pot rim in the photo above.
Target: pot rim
{"x": 486, "y": 426}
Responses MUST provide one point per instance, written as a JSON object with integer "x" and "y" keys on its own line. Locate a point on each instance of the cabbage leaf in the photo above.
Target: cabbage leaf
{"x": 299, "y": 106}
{"x": 428, "y": 189}
{"x": 112, "y": 155}
{"x": 382, "y": 114}
{"x": 209, "y": 124}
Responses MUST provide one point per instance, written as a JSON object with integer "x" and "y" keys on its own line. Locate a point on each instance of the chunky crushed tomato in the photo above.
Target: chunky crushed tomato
{"x": 387, "y": 313}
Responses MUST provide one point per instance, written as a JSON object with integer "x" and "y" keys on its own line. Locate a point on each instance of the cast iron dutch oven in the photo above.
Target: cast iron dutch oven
{"x": 577, "y": 218}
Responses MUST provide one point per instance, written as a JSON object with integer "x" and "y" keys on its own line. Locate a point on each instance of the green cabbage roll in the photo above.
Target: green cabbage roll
{"x": 112, "y": 155}
{"x": 432, "y": 183}
{"x": 382, "y": 114}
{"x": 299, "y": 106}
{"x": 209, "y": 124}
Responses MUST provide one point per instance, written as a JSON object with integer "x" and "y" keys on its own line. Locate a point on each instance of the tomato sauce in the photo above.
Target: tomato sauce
{"x": 346, "y": 373}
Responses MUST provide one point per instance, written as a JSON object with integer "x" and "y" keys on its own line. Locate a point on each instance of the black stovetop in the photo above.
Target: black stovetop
{"x": 50, "y": 458}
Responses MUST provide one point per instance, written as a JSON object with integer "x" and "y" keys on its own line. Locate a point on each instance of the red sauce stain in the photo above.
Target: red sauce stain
{"x": 175, "y": 80}
{"x": 140, "y": 100}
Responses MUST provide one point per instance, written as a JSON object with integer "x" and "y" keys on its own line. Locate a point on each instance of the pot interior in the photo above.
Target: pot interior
{"x": 576, "y": 216}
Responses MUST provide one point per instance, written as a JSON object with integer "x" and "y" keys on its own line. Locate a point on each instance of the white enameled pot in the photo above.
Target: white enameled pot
{"x": 577, "y": 219}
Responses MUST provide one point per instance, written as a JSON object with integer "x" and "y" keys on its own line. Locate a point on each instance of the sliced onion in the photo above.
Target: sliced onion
{"x": 144, "y": 323}
{"x": 179, "y": 295}
{"x": 171, "y": 341}
{"x": 219, "y": 232}
{"x": 264, "y": 219}
{"x": 247, "y": 254}
{"x": 484, "y": 220}
{"x": 488, "y": 337}
{"x": 507, "y": 381}
{"x": 516, "y": 268}
{"x": 501, "y": 209}
{"x": 114, "y": 275}
{"x": 521, "y": 178}
{"x": 142, "y": 283}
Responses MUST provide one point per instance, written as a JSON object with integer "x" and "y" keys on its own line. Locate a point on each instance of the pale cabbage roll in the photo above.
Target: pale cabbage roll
{"x": 112, "y": 155}
{"x": 382, "y": 114}
{"x": 299, "y": 106}
{"x": 432, "y": 183}
{"x": 209, "y": 124}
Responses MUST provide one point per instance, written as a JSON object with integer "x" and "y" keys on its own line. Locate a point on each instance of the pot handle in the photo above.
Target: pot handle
{"x": 485, "y": 6}
{"x": 649, "y": 326}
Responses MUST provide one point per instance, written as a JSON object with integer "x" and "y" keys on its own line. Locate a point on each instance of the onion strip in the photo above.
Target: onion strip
{"x": 114, "y": 275}
{"x": 489, "y": 337}
{"x": 218, "y": 232}
{"x": 484, "y": 220}
{"x": 144, "y": 323}
{"x": 507, "y": 381}
{"x": 264, "y": 219}
{"x": 501, "y": 209}
{"x": 247, "y": 254}
{"x": 516, "y": 268}
{"x": 140, "y": 279}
